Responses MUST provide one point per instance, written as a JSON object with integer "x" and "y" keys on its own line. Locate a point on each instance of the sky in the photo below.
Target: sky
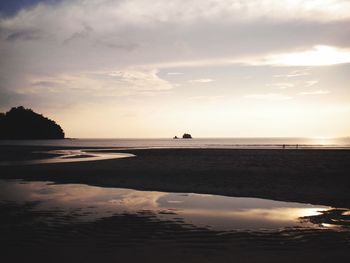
{"x": 139, "y": 69}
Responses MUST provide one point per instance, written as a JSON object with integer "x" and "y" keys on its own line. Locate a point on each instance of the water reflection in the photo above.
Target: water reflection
{"x": 88, "y": 203}
{"x": 333, "y": 218}
{"x": 69, "y": 156}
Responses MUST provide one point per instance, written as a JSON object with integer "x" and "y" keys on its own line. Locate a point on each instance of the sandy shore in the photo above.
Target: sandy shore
{"x": 309, "y": 176}
{"x": 28, "y": 233}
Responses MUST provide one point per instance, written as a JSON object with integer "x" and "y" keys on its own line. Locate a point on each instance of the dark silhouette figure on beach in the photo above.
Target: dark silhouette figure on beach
{"x": 284, "y": 146}
{"x": 21, "y": 123}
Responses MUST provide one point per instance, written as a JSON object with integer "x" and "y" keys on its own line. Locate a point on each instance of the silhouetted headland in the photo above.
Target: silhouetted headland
{"x": 21, "y": 123}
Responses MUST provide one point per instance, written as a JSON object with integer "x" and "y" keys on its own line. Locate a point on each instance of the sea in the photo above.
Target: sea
{"x": 206, "y": 143}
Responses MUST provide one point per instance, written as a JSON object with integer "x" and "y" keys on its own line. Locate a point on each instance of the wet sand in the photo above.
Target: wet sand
{"x": 143, "y": 238}
{"x": 307, "y": 176}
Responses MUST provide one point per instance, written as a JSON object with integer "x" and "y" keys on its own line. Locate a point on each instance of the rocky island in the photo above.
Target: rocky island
{"x": 20, "y": 123}
{"x": 186, "y": 136}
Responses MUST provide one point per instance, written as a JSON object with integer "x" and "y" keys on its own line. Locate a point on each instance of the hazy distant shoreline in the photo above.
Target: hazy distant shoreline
{"x": 308, "y": 176}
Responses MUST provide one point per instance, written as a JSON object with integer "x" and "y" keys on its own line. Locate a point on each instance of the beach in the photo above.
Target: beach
{"x": 308, "y": 176}
{"x": 56, "y": 233}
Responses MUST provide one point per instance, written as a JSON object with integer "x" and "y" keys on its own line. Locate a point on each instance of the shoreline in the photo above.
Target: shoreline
{"x": 307, "y": 176}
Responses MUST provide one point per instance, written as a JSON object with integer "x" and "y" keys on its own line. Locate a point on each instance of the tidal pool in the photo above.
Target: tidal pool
{"x": 70, "y": 156}
{"x": 85, "y": 203}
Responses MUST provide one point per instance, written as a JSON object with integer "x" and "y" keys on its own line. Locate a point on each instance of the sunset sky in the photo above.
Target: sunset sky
{"x": 141, "y": 68}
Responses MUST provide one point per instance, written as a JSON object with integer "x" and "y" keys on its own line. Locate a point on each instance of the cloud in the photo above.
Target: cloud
{"x": 318, "y": 56}
{"x": 97, "y": 33}
{"x": 84, "y": 33}
{"x": 141, "y": 80}
{"x": 9, "y": 99}
{"x": 200, "y": 80}
{"x": 294, "y": 73}
{"x": 24, "y": 35}
{"x": 102, "y": 83}
{"x": 174, "y": 73}
{"x": 55, "y": 47}
{"x": 281, "y": 85}
{"x": 192, "y": 10}
{"x": 206, "y": 98}
{"x": 269, "y": 96}
{"x": 315, "y": 92}
{"x": 310, "y": 83}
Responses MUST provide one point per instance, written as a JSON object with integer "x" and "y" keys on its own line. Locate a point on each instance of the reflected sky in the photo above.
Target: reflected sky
{"x": 88, "y": 203}
{"x": 69, "y": 156}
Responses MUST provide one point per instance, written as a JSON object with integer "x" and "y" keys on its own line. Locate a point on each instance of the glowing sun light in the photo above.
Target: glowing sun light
{"x": 318, "y": 56}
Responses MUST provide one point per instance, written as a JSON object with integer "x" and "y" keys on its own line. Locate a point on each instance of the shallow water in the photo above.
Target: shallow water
{"x": 45, "y": 222}
{"x": 88, "y": 203}
{"x": 69, "y": 156}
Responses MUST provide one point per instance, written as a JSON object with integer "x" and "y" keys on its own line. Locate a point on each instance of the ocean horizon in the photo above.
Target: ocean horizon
{"x": 206, "y": 143}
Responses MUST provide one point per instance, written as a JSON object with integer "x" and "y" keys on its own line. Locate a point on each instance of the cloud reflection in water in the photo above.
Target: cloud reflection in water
{"x": 90, "y": 203}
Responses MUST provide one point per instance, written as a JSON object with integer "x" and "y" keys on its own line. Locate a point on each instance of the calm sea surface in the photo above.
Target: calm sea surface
{"x": 230, "y": 143}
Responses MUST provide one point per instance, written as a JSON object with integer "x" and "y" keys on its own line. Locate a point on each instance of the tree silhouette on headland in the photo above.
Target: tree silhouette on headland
{"x": 21, "y": 123}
